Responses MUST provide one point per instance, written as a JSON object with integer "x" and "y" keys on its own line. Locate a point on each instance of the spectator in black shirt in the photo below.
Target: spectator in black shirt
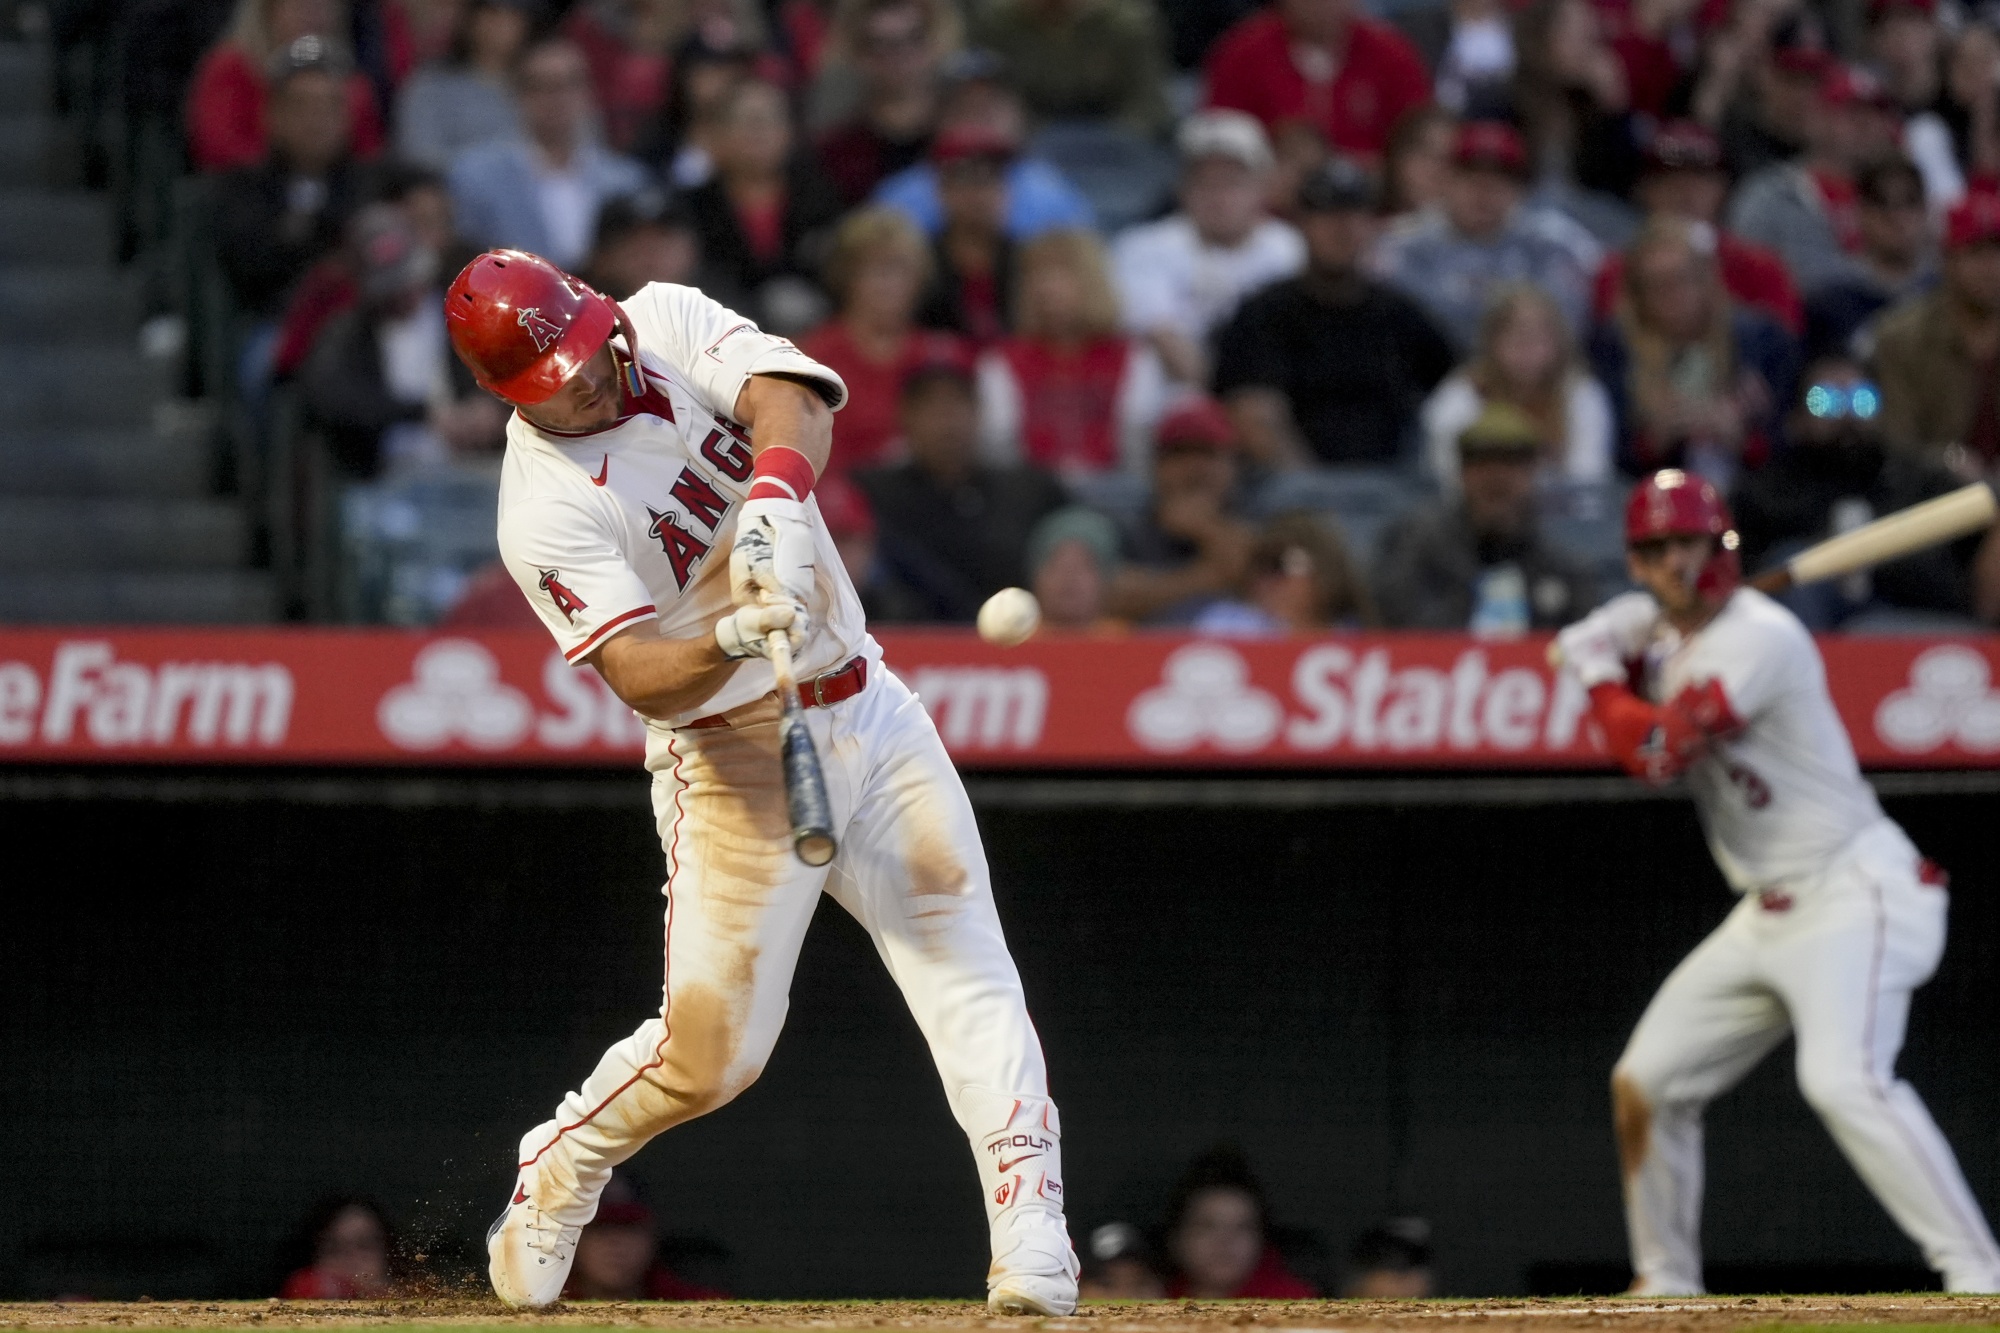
{"x": 1838, "y": 474}
{"x": 1896, "y": 260}
{"x": 275, "y": 219}
{"x": 1330, "y": 366}
{"x": 951, "y": 531}
{"x": 1479, "y": 562}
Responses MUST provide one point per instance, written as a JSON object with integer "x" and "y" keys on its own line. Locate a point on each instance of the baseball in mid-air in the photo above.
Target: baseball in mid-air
{"x": 1009, "y": 617}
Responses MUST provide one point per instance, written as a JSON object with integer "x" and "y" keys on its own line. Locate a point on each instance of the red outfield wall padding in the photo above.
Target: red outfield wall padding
{"x": 1153, "y": 701}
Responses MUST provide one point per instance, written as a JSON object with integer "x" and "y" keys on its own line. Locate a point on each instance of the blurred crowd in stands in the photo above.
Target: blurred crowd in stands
{"x": 1178, "y": 312}
{"x": 1217, "y": 1241}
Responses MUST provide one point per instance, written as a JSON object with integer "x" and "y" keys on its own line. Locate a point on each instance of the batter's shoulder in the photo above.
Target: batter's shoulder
{"x": 1753, "y": 620}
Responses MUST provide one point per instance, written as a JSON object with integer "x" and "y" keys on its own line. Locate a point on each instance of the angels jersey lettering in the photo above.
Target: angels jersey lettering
{"x": 634, "y": 522}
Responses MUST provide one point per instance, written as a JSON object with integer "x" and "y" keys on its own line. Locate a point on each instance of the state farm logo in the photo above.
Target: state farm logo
{"x": 1949, "y": 698}
{"x": 1207, "y": 696}
{"x": 457, "y": 695}
{"x": 92, "y": 696}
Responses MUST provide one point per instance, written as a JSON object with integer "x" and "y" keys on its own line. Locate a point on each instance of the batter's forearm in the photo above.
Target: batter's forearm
{"x": 662, "y": 677}
{"x": 787, "y": 413}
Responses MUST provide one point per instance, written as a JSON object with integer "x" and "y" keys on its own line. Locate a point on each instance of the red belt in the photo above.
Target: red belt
{"x": 841, "y": 683}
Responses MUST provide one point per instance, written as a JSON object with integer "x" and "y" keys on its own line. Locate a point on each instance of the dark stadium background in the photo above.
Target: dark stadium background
{"x": 228, "y": 995}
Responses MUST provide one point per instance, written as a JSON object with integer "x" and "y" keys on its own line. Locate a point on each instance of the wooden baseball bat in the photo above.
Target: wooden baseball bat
{"x": 805, "y": 784}
{"x": 1932, "y": 523}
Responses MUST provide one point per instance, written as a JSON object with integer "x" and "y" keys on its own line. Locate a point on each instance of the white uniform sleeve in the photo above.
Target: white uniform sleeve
{"x": 1757, "y": 660}
{"x": 1597, "y": 648}
{"x": 567, "y": 560}
{"x": 718, "y": 349}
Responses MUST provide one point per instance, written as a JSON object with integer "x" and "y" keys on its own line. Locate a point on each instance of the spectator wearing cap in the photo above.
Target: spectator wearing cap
{"x": 1219, "y": 1235}
{"x": 1486, "y": 235}
{"x": 1478, "y": 561}
{"x": 1330, "y": 366}
{"x": 1896, "y": 261}
{"x": 1299, "y": 579}
{"x": 973, "y": 268}
{"x": 890, "y": 52}
{"x": 1684, "y": 179}
{"x": 466, "y": 98}
{"x": 1192, "y": 544}
{"x": 1767, "y": 123}
{"x": 1696, "y": 381}
{"x": 1839, "y": 473}
{"x": 540, "y": 190}
{"x": 1182, "y": 277}
{"x": 227, "y": 104}
{"x": 646, "y": 238}
{"x": 1102, "y": 60}
{"x": 1805, "y": 210}
{"x": 382, "y": 382}
{"x": 878, "y": 271}
{"x": 617, "y": 1255}
{"x": 1937, "y": 356}
{"x": 1067, "y": 390}
{"x": 1072, "y": 560}
{"x": 1118, "y": 1266}
{"x": 979, "y": 102}
{"x": 274, "y": 220}
{"x": 1390, "y": 1261}
{"x": 1322, "y": 62}
{"x": 952, "y": 528}
{"x": 1526, "y": 358}
{"x": 766, "y": 217}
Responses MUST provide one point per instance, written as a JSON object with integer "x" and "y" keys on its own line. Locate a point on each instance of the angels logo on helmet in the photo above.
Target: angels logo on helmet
{"x": 539, "y": 329}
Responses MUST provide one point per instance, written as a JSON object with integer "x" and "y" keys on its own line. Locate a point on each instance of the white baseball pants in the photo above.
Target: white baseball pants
{"x": 910, "y": 869}
{"x": 1834, "y": 961}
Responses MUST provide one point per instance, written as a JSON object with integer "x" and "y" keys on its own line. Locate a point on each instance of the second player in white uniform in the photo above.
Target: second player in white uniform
{"x": 1840, "y": 917}
{"x": 623, "y": 536}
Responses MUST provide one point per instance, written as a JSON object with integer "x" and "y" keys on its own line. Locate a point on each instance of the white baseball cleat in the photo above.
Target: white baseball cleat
{"x": 528, "y": 1254}
{"x": 1037, "y": 1274}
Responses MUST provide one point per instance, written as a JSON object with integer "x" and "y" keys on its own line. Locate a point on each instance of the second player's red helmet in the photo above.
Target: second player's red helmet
{"x": 1673, "y": 503}
{"x": 523, "y": 325}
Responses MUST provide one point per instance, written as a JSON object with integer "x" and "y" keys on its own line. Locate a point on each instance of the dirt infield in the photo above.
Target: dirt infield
{"x": 1697, "y": 1315}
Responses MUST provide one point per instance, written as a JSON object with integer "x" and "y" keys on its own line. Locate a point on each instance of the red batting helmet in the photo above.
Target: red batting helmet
{"x": 523, "y": 325}
{"x": 1673, "y": 503}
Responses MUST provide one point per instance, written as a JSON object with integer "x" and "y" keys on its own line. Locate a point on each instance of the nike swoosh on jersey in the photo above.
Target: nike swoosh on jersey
{"x": 603, "y": 472}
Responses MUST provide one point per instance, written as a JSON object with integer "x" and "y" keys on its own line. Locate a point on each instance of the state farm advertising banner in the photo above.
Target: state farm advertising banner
{"x": 313, "y": 696}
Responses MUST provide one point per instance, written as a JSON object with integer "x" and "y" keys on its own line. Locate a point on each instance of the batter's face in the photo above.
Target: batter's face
{"x": 1668, "y": 569}
{"x": 591, "y": 400}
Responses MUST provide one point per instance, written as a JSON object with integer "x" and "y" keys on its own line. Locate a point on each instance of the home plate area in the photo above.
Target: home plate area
{"x": 1523, "y": 1313}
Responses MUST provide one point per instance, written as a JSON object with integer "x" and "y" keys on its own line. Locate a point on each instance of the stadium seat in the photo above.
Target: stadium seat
{"x": 411, "y": 542}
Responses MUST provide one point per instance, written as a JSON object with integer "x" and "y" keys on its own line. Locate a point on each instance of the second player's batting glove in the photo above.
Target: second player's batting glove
{"x": 742, "y": 633}
{"x": 773, "y": 554}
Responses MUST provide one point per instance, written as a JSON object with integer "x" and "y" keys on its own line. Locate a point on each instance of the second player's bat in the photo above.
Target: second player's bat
{"x": 1932, "y": 523}
{"x": 805, "y": 783}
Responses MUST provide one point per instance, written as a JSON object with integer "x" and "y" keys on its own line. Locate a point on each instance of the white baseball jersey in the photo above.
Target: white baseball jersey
{"x": 1782, "y": 795}
{"x": 612, "y": 528}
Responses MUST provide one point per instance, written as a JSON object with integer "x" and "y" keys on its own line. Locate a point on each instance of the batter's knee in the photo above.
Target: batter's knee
{"x": 1837, "y": 1089}
{"x": 1631, "y": 1119}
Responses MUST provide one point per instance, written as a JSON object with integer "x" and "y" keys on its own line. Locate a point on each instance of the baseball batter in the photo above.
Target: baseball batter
{"x": 656, "y": 508}
{"x": 1840, "y": 918}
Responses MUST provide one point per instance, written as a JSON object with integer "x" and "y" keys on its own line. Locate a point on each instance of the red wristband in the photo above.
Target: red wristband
{"x": 781, "y": 474}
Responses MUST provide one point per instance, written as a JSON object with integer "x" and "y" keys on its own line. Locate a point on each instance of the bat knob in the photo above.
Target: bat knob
{"x": 814, "y": 846}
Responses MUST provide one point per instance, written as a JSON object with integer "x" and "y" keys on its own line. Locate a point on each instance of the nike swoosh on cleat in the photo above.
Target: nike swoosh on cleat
{"x": 604, "y": 471}
{"x": 520, "y": 1194}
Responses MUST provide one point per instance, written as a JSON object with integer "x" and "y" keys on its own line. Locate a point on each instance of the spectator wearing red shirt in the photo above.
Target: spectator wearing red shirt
{"x": 1684, "y": 179}
{"x": 1069, "y": 391}
{"x": 878, "y": 269}
{"x": 1319, "y": 61}
{"x": 340, "y": 1253}
{"x": 225, "y": 107}
{"x": 1218, "y": 1234}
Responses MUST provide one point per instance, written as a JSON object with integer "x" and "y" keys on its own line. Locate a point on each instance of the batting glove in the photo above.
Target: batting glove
{"x": 773, "y": 554}
{"x": 742, "y": 633}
